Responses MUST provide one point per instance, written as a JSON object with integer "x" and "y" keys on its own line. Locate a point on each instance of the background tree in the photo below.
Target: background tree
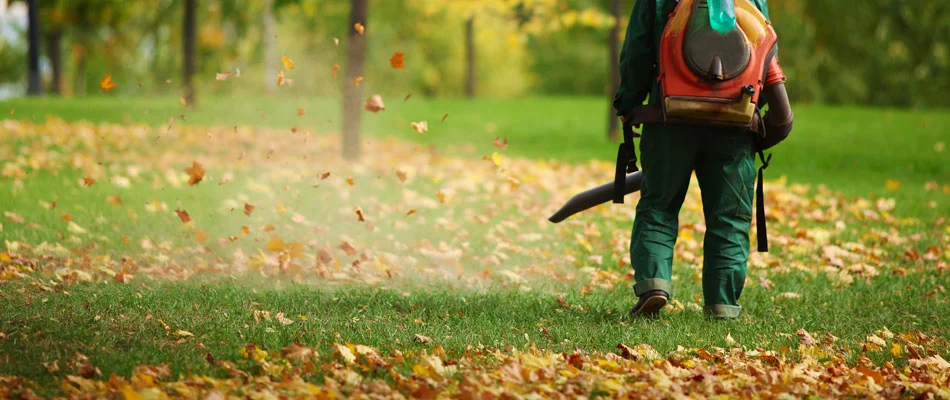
{"x": 188, "y": 50}
{"x": 352, "y": 92}
{"x": 34, "y": 84}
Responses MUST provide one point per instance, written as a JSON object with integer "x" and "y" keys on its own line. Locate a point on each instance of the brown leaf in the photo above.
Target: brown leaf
{"x": 248, "y": 209}
{"x": 422, "y": 339}
{"x": 89, "y": 371}
{"x": 348, "y": 249}
{"x": 350, "y": 181}
{"x": 300, "y": 112}
{"x": 359, "y": 213}
{"x": 375, "y": 104}
{"x": 807, "y": 339}
{"x": 502, "y": 145}
{"x": 562, "y": 302}
{"x": 183, "y": 215}
{"x": 324, "y": 175}
{"x": 114, "y": 200}
{"x": 87, "y": 181}
{"x": 765, "y": 283}
{"x": 298, "y": 352}
{"x": 401, "y": 175}
{"x": 122, "y": 277}
{"x": 195, "y": 173}
{"x": 412, "y": 211}
{"x": 444, "y": 117}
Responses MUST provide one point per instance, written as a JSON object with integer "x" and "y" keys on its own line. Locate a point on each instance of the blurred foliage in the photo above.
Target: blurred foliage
{"x": 877, "y": 52}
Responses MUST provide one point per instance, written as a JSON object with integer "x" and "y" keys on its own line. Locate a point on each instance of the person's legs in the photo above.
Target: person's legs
{"x": 725, "y": 169}
{"x": 667, "y": 157}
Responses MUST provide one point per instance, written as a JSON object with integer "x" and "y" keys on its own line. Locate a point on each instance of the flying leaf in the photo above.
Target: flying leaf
{"x": 397, "y": 61}
{"x": 359, "y": 28}
{"x": 288, "y": 63}
{"x": 248, "y": 209}
{"x": 106, "y": 83}
{"x": 324, "y": 175}
{"x": 501, "y": 144}
{"x": 222, "y": 76}
{"x": 195, "y": 173}
{"x": 336, "y": 41}
{"x": 420, "y": 127}
{"x": 401, "y": 175}
{"x": 412, "y": 211}
{"x": 350, "y": 181}
{"x": 183, "y": 215}
{"x": 408, "y": 95}
{"x": 444, "y": 117}
{"x": 359, "y": 213}
{"x": 358, "y": 81}
{"x": 280, "y": 78}
{"x": 300, "y": 112}
{"x": 335, "y": 71}
{"x": 201, "y": 237}
{"x": 348, "y": 249}
{"x": 183, "y": 101}
{"x": 375, "y": 104}
{"x": 87, "y": 181}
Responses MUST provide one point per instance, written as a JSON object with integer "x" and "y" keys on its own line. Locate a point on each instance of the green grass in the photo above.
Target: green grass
{"x": 849, "y": 149}
{"x": 111, "y": 323}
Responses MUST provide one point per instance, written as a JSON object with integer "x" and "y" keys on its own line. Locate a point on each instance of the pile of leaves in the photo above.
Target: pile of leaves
{"x": 820, "y": 368}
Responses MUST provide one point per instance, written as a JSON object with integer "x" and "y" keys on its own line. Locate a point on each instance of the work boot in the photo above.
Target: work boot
{"x": 650, "y": 304}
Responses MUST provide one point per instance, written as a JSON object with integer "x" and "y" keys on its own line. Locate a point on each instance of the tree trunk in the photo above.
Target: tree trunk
{"x": 55, "y": 54}
{"x": 613, "y": 128}
{"x": 470, "y": 65}
{"x": 34, "y": 83}
{"x": 79, "y": 77}
{"x": 352, "y": 94}
{"x": 188, "y": 47}
{"x": 270, "y": 47}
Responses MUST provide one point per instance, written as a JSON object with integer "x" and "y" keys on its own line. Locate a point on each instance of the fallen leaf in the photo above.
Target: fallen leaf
{"x": 807, "y": 339}
{"x": 374, "y": 104}
{"x": 893, "y": 184}
{"x": 422, "y": 339}
{"x": 183, "y": 215}
{"x": 114, "y": 200}
{"x": 201, "y": 237}
{"x": 397, "y": 60}
{"x": 283, "y": 320}
{"x": 87, "y": 181}
{"x": 106, "y": 83}
{"x": 297, "y": 351}
{"x": 729, "y": 340}
{"x": 345, "y": 353}
{"x": 171, "y": 122}
{"x": 183, "y": 334}
{"x": 563, "y": 303}
{"x": 195, "y": 173}
{"x": 765, "y": 283}
{"x": 288, "y": 63}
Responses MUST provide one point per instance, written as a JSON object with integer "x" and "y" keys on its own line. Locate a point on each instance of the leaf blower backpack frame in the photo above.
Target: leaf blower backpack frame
{"x": 709, "y": 79}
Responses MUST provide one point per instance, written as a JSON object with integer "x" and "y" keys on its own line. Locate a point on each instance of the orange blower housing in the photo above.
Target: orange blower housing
{"x": 709, "y": 78}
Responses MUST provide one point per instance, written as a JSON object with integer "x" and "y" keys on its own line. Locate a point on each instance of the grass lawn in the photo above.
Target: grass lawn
{"x": 440, "y": 243}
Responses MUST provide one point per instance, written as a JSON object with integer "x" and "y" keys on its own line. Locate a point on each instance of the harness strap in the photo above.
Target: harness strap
{"x": 626, "y": 162}
{"x": 761, "y": 231}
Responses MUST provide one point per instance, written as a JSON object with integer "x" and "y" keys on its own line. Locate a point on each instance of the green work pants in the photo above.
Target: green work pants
{"x": 725, "y": 167}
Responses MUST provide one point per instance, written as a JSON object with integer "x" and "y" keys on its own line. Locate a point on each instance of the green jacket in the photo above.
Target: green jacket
{"x": 639, "y": 56}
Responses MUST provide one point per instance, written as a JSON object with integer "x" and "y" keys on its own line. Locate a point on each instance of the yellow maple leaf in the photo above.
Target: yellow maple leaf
{"x": 288, "y": 63}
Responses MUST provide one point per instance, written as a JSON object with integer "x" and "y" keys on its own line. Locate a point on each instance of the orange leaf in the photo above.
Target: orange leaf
{"x": 288, "y": 63}
{"x": 412, "y": 211}
{"x": 280, "y": 78}
{"x": 201, "y": 236}
{"x": 87, "y": 181}
{"x": 195, "y": 173}
{"x": 106, "y": 83}
{"x": 350, "y": 181}
{"x": 501, "y": 144}
{"x": 358, "y": 81}
{"x": 359, "y": 28}
{"x": 183, "y": 215}
{"x": 336, "y": 69}
{"x": 401, "y": 175}
{"x": 300, "y": 112}
{"x": 397, "y": 61}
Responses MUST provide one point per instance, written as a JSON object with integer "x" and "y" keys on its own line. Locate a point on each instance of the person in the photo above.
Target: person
{"x": 723, "y": 158}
